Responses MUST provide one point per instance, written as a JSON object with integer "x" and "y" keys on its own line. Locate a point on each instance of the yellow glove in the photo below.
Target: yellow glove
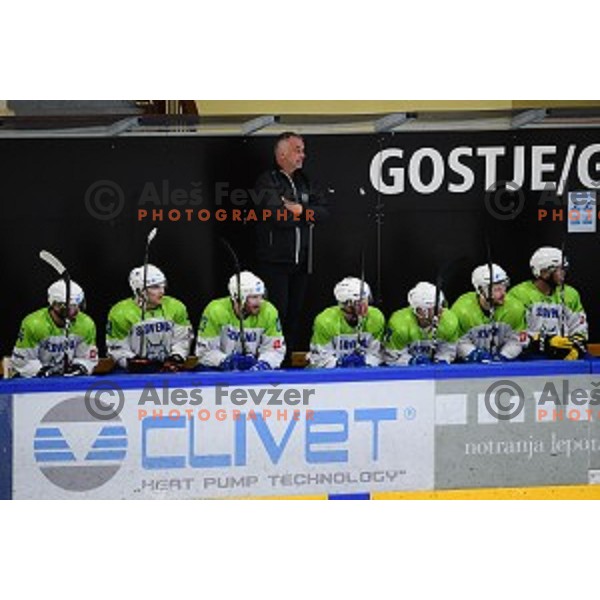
{"x": 573, "y": 355}
{"x": 560, "y": 343}
{"x": 562, "y": 347}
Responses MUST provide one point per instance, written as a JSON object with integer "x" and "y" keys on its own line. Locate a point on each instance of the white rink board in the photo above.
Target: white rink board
{"x": 363, "y": 437}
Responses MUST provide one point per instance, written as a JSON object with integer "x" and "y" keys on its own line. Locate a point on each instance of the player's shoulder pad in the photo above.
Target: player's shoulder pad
{"x": 218, "y": 309}
{"x": 174, "y": 304}
{"x": 449, "y": 318}
{"x": 573, "y": 299}
{"x": 85, "y": 321}
{"x": 36, "y": 323}
{"x": 268, "y": 309}
{"x": 521, "y": 288}
{"x": 400, "y": 317}
{"x": 375, "y": 315}
{"x": 328, "y": 317}
{"x": 513, "y": 303}
{"x": 571, "y": 292}
{"x": 122, "y": 307}
{"x": 464, "y": 302}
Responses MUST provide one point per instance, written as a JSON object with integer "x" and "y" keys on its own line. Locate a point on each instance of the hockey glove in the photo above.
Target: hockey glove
{"x": 561, "y": 348}
{"x": 50, "y": 371}
{"x": 261, "y": 365}
{"x": 479, "y": 355}
{"x": 238, "y": 362}
{"x": 352, "y": 361}
{"x": 420, "y": 359}
{"x": 75, "y": 370}
{"x": 143, "y": 365}
{"x": 173, "y": 364}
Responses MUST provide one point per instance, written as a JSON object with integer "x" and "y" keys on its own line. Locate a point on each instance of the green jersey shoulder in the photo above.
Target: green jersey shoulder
{"x": 38, "y": 326}
{"x": 331, "y": 323}
{"x": 403, "y": 328}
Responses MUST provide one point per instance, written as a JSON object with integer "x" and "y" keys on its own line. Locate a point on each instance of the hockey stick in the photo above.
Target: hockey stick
{"x": 436, "y": 311}
{"x": 237, "y": 268}
{"x": 378, "y": 214}
{"x": 144, "y": 306}
{"x": 361, "y": 295}
{"x": 490, "y": 298}
{"x": 562, "y": 286}
{"x": 51, "y": 260}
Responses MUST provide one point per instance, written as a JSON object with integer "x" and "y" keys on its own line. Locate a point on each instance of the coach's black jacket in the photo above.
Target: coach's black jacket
{"x": 286, "y": 241}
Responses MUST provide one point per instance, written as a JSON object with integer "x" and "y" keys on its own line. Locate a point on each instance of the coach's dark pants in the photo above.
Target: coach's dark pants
{"x": 286, "y": 287}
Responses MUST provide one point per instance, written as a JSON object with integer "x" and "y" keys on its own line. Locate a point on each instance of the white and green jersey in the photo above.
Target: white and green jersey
{"x": 166, "y": 328}
{"x": 219, "y": 334}
{"x": 405, "y": 338}
{"x": 333, "y": 337}
{"x": 41, "y": 343}
{"x": 506, "y": 335}
{"x": 545, "y": 314}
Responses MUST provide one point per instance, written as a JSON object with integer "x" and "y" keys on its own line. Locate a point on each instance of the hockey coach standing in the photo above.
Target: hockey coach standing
{"x": 285, "y": 239}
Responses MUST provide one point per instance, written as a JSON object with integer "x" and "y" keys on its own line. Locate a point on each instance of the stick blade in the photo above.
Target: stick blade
{"x": 49, "y": 258}
{"x": 152, "y": 234}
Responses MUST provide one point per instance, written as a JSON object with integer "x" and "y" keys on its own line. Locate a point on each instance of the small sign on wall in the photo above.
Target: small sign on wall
{"x": 582, "y": 212}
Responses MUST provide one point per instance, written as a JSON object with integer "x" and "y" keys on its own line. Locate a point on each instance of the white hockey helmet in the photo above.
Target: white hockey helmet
{"x": 481, "y": 277}
{"x": 348, "y": 290}
{"x": 546, "y": 257}
{"x": 422, "y": 296}
{"x": 250, "y": 285}
{"x": 57, "y": 292}
{"x": 154, "y": 276}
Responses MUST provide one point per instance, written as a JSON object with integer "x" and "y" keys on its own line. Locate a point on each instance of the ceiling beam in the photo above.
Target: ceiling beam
{"x": 113, "y": 130}
{"x": 528, "y": 117}
{"x": 254, "y": 125}
{"x": 389, "y": 122}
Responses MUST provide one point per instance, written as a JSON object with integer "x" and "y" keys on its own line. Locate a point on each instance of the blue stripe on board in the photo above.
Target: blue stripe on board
{"x": 54, "y": 456}
{"x": 287, "y": 376}
{"x": 113, "y": 431}
{"x": 50, "y": 445}
{"x": 106, "y": 455}
{"x": 110, "y": 443}
{"x": 46, "y": 432}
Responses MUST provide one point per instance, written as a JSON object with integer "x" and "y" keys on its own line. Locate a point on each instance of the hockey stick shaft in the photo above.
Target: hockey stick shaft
{"x": 60, "y": 268}
{"x": 239, "y": 312}
{"x": 490, "y": 294}
{"x": 144, "y": 306}
{"x": 562, "y": 286}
